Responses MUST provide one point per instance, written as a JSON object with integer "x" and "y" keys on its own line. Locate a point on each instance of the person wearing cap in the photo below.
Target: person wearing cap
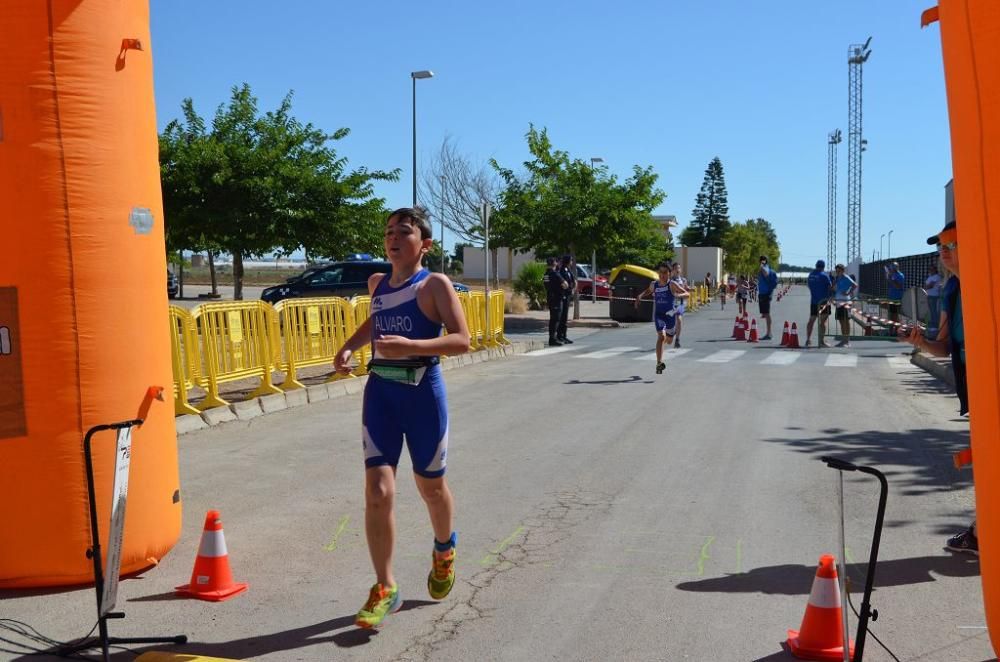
{"x": 554, "y": 288}
{"x": 897, "y": 285}
{"x": 950, "y": 340}
{"x": 820, "y": 286}
{"x": 567, "y": 270}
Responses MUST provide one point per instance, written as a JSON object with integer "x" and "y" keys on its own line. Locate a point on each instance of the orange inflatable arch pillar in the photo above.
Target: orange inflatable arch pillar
{"x": 83, "y": 308}
{"x": 970, "y": 40}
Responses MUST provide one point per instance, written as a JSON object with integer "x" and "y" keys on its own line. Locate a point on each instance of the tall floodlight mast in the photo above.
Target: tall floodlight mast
{"x": 834, "y": 139}
{"x": 857, "y": 55}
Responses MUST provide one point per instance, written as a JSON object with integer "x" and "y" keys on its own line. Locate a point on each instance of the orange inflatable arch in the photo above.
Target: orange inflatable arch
{"x": 83, "y": 307}
{"x": 970, "y": 40}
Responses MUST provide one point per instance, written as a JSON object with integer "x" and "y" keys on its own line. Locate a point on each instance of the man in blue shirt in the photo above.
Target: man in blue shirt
{"x": 819, "y": 294}
{"x": 767, "y": 280}
{"x": 843, "y": 292}
{"x": 897, "y": 285}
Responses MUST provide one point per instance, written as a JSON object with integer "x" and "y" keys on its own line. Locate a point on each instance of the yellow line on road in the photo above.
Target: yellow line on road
{"x": 704, "y": 555}
{"x": 332, "y": 545}
{"x": 490, "y": 558}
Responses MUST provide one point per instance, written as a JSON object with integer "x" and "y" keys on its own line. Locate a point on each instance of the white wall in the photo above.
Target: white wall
{"x": 474, "y": 264}
{"x": 696, "y": 261}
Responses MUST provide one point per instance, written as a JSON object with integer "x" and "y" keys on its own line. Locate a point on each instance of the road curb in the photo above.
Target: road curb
{"x": 937, "y": 369}
{"x": 250, "y": 409}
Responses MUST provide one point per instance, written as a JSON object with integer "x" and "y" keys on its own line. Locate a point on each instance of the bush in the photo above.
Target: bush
{"x": 529, "y": 284}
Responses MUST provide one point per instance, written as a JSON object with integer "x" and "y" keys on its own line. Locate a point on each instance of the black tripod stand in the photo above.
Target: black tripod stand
{"x": 866, "y": 609}
{"x": 103, "y": 640}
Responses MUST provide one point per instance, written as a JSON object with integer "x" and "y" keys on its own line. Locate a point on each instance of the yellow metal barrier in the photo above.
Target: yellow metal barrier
{"x": 362, "y": 311}
{"x": 314, "y": 331}
{"x": 496, "y": 319}
{"x": 224, "y": 342}
{"x": 237, "y": 343}
{"x": 185, "y": 357}
{"x": 476, "y": 320}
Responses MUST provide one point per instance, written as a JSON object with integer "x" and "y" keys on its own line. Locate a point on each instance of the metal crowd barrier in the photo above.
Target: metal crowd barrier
{"x": 313, "y": 331}
{"x": 222, "y": 342}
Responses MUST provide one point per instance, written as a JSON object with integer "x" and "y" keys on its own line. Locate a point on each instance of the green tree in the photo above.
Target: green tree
{"x": 744, "y": 243}
{"x": 710, "y": 216}
{"x": 258, "y": 183}
{"x": 563, "y": 205}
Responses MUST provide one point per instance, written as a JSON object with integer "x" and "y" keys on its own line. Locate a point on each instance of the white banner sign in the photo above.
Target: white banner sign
{"x": 123, "y": 458}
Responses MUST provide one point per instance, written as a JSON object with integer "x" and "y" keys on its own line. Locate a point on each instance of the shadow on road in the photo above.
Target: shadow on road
{"x": 790, "y": 579}
{"x": 310, "y": 635}
{"x": 924, "y": 455}
{"x": 634, "y": 379}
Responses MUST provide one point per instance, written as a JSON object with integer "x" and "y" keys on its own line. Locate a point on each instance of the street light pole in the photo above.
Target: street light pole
{"x": 444, "y": 259}
{"x": 415, "y": 75}
{"x": 593, "y": 256}
{"x": 880, "y": 246}
{"x": 888, "y": 246}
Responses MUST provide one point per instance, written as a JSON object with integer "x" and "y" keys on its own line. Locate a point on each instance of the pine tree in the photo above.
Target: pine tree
{"x": 710, "y": 216}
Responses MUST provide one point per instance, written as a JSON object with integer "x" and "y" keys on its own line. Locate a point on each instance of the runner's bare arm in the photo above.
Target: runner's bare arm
{"x": 438, "y": 300}
{"x": 360, "y": 338}
{"x": 638, "y": 298}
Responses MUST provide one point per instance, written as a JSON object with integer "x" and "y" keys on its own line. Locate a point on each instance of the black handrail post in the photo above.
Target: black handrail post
{"x": 866, "y": 613}
{"x": 94, "y": 553}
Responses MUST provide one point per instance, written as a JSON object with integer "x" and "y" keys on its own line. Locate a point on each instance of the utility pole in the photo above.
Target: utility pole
{"x": 857, "y": 55}
{"x": 834, "y": 139}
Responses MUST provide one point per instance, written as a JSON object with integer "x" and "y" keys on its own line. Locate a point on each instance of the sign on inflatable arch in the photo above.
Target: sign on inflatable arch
{"x": 84, "y": 331}
{"x": 970, "y": 40}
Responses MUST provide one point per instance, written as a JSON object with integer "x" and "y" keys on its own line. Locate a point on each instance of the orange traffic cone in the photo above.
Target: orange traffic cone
{"x": 962, "y": 458}
{"x": 785, "y": 335}
{"x": 738, "y": 329}
{"x": 793, "y": 337}
{"x": 211, "y": 578}
{"x": 753, "y": 331}
{"x": 821, "y": 636}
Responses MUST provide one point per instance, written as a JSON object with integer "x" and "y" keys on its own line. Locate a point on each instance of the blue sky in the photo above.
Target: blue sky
{"x": 668, "y": 84}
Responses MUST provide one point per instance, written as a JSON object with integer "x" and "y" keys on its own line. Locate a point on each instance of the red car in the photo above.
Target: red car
{"x": 584, "y": 283}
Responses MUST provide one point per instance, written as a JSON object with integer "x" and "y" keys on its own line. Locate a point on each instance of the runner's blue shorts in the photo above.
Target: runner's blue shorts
{"x": 665, "y": 321}
{"x": 392, "y": 411}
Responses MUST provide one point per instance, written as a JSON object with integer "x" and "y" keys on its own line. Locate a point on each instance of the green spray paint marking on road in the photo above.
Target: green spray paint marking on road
{"x": 340, "y": 529}
{"x": 847, "y": 555}
{"x": 704, "y": 555}
{"x": 739, "y": 555}
{"x": 490, "y": 558}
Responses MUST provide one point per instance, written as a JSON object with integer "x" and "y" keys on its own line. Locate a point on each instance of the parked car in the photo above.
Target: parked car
{"x": 340, "y": 279}
{"x": 172, "y": 286}
{"x": 584, "y": 283}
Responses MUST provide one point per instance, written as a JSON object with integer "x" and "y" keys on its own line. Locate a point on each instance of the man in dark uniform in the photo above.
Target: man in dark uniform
{"x": 554, "y": 288}
{"x": 568, "y": 272}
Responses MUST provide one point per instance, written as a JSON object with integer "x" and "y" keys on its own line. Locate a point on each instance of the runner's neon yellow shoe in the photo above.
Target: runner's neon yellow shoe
{"x": 442, "y": 575}
{"x": 382, "y": 601}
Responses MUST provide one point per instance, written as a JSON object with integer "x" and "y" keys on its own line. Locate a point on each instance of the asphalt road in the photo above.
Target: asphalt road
{"x": 604, "y": 512}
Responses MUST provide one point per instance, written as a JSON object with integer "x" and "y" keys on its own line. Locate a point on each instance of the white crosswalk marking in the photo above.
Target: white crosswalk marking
{"x": 781, "y": 358}
{"x": 555, "y": 350}
{"x": 842, "y": 361}
{"x": 608, "y": 353}
{"x": 672, "y": 354}
{"x": 723, "y": 356}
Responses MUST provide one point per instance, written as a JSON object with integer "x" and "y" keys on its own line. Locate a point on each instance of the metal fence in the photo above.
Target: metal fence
{"x": 915, "y": 269}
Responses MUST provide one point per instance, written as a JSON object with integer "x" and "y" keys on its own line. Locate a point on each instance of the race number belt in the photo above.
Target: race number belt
{"x": 402, "y": 371}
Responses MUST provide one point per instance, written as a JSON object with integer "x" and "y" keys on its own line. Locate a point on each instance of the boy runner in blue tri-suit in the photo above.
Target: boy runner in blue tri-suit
{"x": 664, "y": 314}
{"x": 405, "y": 396}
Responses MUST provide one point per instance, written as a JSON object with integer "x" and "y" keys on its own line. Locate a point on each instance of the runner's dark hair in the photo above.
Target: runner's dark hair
{"x": 417, "y": 216}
